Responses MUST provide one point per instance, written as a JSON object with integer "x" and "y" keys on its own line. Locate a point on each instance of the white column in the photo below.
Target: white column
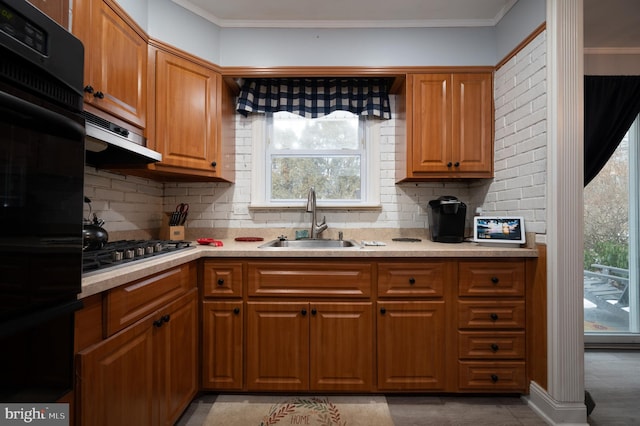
{"x": 563, "y": 401}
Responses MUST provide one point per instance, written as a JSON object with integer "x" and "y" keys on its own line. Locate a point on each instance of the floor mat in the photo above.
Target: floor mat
{"x": 314, "y": 410}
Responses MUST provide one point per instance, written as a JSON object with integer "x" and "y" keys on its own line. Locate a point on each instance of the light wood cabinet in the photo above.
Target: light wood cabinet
{"x": 449, "y": 120}
{"x": 222, "y": 348}
{"x": 58, "y": 10}
{"x": 492, "y": 326}
{"x": 193, "y": 118}
{"x": 364, "y": 325}
{"x": 222, "y": 325}
{"x": 115, "y": 60}
{"x": 412, "y": 327}
{"x": 411, "y": 345}
{"x": 145, "y": 373}
{"x": 309, "y": 346}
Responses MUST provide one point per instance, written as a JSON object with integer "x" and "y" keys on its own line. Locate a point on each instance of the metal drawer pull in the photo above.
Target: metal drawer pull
{"x": 495, "y": 347}
{"x": 494, "y": 317}
{"x": 494, "y": 378}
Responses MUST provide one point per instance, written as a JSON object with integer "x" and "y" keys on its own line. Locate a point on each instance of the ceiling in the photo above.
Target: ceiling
{"x": 608, "y": 24}
{"x": 349, "y": 13}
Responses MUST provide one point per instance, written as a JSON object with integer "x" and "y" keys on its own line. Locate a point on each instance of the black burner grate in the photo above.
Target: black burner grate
{"x": 125, "y": 251}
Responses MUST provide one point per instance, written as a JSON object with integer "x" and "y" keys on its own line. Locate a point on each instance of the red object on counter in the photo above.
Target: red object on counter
{"x": 209, "y": 241}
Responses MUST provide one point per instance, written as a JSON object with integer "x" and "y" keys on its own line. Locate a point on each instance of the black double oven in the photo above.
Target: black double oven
{"x": 41, "y": 200}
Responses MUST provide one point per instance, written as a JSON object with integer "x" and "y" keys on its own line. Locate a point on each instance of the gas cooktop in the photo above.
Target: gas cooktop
{"x": 125, "y": 251}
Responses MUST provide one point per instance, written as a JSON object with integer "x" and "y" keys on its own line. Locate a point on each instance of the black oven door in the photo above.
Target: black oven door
{"x": 41, "y": 196}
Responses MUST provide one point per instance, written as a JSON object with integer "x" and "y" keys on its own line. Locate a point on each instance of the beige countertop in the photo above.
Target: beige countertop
{"x": 105, "y": 279}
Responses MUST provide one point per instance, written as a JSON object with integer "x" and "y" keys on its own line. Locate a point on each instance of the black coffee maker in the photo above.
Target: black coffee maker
{"x": 447, "y": 216}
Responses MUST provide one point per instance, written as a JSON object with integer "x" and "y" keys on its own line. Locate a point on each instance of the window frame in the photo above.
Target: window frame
{"x": 260, "y": 172}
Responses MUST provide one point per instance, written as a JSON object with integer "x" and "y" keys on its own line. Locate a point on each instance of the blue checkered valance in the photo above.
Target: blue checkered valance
{"x": 315, "y": 97}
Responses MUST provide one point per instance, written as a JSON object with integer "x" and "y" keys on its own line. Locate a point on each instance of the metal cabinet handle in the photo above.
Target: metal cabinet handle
{"x": 88, "y": 88}
{"x": 494, "y": 378}
{"x": 412, "y": 281}
{"x": 495, "y": 280}
{"x": 220, "y": 281}
{"x": 236, "y": 311}
{"x": 494, "y": 347}
{"x": 494, "y": 317}
{"x": 383, "y": 311}
{"x": 456, "y": 164}
{"x": 98, "y": 95}
{"x": 214, "y": 164}
{"x": 303, "y": 312}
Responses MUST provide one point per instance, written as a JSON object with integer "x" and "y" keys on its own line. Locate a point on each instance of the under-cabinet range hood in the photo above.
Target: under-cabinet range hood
{"x": 107, "y": 143}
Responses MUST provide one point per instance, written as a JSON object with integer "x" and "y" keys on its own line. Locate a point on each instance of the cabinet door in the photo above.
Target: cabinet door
{"x": 472, "y": 132}
{"x": 277, "y": 349}
{"x": 222, "y": 352}
{"x": 341, "y": 346}
{"x": 115, "y": 61}
{"x": 186, "y": 112}
{"x": 177, "y": 348}
{"x": 115, "y": 379}
{"x": 411, "y": 345}
{"x": 431, "y": 117}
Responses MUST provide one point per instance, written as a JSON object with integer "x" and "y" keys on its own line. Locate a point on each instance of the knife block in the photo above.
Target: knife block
{"x": 172, "y": 233}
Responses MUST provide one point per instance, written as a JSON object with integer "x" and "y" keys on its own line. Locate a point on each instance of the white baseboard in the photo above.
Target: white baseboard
{"x": 554, "y": 412}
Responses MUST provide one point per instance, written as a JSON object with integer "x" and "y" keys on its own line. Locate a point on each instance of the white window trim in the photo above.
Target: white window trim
{"x": 259, "y": 181}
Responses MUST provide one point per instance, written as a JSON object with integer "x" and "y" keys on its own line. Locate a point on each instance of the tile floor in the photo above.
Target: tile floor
{"x": 612, "y": 379}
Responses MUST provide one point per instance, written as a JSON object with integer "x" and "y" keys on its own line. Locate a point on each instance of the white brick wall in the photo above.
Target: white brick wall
{"x": 227, "y": 206}
{"x": 519, "y": 186}
{"x": 127, "y": 203}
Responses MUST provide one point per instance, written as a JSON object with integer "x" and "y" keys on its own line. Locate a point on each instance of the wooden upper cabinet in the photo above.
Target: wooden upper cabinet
{"x": 449, "y": 121}
{"x": 58, "y": 10}
{"x": 193, "y": 118}
{"x": 115, "y": 60}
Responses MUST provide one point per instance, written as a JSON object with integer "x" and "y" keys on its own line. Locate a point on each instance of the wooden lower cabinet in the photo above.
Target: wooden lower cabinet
{"x": 145, "y": 374}
{"x": 222, "y": 349}
{"x": 354, "y": 325}
{"x": 411, "y": 345}
{"x": 300, "y": 346}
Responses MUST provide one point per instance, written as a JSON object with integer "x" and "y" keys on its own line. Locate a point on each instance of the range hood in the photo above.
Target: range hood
{"x": 107, "y": 143}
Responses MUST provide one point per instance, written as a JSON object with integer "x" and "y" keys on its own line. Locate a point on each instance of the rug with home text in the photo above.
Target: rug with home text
{"x": 267, "y": 410}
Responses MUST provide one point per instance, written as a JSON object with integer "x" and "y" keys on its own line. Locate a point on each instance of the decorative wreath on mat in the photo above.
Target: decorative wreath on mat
{"x": 317, "y": 409}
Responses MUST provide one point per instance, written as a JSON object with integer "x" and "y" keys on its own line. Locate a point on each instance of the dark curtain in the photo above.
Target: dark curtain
{"x": 611, "y": 104}
{"x": 315, "y": 97}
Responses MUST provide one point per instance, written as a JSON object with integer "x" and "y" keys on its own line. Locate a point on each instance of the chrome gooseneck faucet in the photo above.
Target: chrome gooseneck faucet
{"x": 316, "y": 229}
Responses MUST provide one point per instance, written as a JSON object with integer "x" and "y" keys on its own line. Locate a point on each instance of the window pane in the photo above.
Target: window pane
{"x": 334, "y": 177}
{"x": 338, "y": 130}
{"x": 606, "y": 246}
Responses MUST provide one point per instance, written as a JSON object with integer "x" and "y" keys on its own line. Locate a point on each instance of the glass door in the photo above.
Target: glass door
{"x": 612, "y": 248}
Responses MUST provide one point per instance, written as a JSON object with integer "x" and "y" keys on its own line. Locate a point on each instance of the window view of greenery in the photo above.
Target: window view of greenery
{"x": 325, "y": 153}
{"x": 606, "y": 246}
{"x": 606, "y": 213}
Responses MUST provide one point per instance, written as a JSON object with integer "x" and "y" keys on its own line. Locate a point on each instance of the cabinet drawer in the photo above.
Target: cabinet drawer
{"x": 407, "y": 279}
{"x": 493, "y": 345}
{"x": 222, "y": 279}
{"x": 130, "y": 302}
{"x": 491, "y": 314}
{"x": 309, "y": 279}
{"x": 488, "y": 278}
{"x": 492, "y": 376}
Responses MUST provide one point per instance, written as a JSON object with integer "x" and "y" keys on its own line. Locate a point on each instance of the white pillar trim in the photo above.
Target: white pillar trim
{"x": 565, "y": 171}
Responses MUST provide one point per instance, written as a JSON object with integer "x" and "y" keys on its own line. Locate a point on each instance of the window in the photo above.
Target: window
{"x": 336, "y": 154}
{"x": 611, "y": 269}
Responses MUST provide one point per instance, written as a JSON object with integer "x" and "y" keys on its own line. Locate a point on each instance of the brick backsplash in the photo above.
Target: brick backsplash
{"x": 130, "y": 204}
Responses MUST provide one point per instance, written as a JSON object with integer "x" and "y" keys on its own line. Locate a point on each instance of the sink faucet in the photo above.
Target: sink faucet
{"x": 316, "y": 229}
